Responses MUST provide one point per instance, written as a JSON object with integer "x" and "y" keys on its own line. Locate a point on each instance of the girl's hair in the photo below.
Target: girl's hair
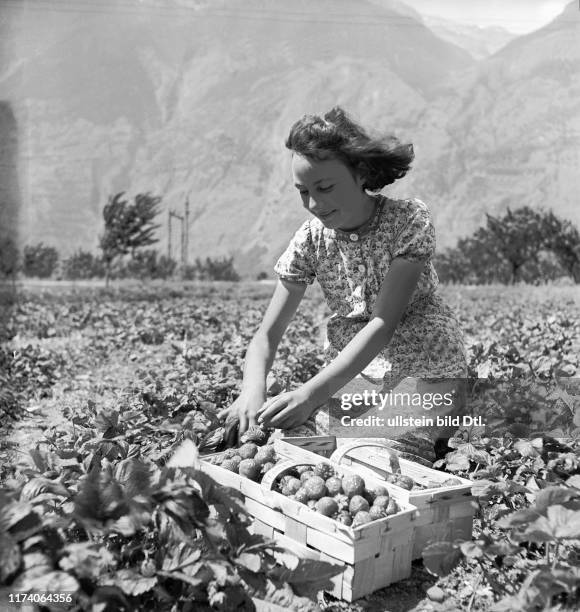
{"x": 379, "y": 160}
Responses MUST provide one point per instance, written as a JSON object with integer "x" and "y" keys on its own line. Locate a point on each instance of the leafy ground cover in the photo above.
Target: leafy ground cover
{"x": 111, "y": 383}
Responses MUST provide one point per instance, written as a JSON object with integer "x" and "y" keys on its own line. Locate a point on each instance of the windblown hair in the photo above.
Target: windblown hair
{"x": 379, "y": 160}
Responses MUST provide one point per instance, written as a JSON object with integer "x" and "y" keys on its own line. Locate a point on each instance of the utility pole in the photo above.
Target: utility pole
{"x": 169, "y": 235}
{"x": 186, "y": 234}
{"x": 184, "y": 244}
{"x": 172, "y": 213}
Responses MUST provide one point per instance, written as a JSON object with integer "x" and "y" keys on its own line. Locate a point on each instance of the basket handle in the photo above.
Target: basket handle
{"x": 342, "y": 451}
{"x": 278, "y": 470}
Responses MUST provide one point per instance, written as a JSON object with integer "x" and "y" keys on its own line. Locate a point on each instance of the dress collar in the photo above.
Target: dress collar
{"x": 368, "y": 226}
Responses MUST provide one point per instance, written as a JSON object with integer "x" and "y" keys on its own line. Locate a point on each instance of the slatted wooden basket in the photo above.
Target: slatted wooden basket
{"x": 372, "y": 556}
{"x": 445, "y": 512}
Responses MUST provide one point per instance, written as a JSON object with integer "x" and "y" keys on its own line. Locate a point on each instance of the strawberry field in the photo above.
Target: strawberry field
{"x": 99, "y": 389}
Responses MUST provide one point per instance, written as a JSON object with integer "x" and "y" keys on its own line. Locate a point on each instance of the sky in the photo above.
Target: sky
{"x": 519, "y": 16}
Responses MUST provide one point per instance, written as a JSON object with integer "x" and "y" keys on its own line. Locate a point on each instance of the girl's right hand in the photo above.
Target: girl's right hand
{"x": 245, "y": 409}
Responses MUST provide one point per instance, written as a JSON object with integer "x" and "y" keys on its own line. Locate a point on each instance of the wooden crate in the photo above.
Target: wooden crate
{"x": 445, "y": 512}
{"x": 372, "y": 556}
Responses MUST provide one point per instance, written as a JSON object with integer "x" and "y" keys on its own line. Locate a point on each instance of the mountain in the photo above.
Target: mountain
{"x": 511, "y": 136}
{"x": 195, "y": 98}
{"x": 479, "y": 42}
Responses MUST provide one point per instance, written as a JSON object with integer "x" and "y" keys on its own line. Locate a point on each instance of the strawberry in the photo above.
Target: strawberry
{"x": 353, "y": 485}
{"x": 306, "y": 475}
{"x": 377, "y": 492}
{"x": 250, "y": 469}
{"x": 291, "y": 487}
{"x": 286, "y": 479}
{"x": 230, "y": 465}
{"x": 324, "y": 470}
{"x": 256, "y": 435}
{"x": 334, "y": 486}
{"x": 315, "y": 487}
{"x": 247, "y": 450}
{"x": 342, "y": 501}
{"x": 361, "y": 518}
{"x": 358, "y": 504}
{"x": 264, "y": 456}
{"x": 406, "y": 482}
{"x": 382, "y": 501}
{"x": 345, "y": 518}
{"x": 326, "y": 506}
{"x": 301, "y": 496}
{"x": 236, "y": 459}
{"x": 377, "y": 513}
{"x": 267, "y": 466}
{"x": 303, "y": 468}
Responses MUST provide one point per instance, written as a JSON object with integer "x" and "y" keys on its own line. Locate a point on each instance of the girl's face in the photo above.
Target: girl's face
{"x": 330, "y": 192}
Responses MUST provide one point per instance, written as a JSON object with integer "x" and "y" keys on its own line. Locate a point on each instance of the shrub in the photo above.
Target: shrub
{"x": 8, "y": 258}
{"x": 148, "y": 264}
{"x": 39, "y": 261}
{"x": 212, "y": 269}
{"x": 83, "y": 265}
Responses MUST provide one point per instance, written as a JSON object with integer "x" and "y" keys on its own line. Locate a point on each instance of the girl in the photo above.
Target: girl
{"x": 372, "y": 258}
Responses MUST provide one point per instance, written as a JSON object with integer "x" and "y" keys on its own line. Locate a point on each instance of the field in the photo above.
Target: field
{"x": 99, "y": 387}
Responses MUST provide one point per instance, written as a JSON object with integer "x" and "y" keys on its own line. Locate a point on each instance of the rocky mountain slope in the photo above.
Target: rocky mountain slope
{"x": 194, "y": 98}
{"x": 479, "y": 42}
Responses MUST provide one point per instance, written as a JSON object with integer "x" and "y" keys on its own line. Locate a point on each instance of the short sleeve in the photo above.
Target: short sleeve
{"x": 297, "y": 262}
{"x": 416, "y": 240}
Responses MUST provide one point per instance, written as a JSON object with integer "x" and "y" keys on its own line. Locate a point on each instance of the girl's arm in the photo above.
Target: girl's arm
{"x": 262, "y": 350}
{"x": 289, "y": 409}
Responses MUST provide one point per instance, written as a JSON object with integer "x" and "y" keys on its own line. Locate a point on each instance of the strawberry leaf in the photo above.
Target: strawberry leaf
{"x": 553, "y": 496}
{"x": 86, "y": 560}
{"x": 10, "y": 556}
{"x": 130, "y": 582}
{"x": 46, "y": 581}
{"x": 251, "y": 561}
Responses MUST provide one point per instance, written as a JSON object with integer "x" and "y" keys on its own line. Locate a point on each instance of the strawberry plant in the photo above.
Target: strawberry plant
{"x": 101, "y": 510}
{"x": 127, "y": 534}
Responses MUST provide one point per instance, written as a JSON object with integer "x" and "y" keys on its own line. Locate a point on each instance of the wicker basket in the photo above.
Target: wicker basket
{"x": 372, "y": 556}
{"x": 445, "y": 512}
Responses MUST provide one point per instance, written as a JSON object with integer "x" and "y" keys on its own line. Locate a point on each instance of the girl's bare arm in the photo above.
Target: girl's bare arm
{"x": 262, "y": 350}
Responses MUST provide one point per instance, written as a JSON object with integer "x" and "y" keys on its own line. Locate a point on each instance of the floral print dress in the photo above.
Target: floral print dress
{"x": 350, "y": 267}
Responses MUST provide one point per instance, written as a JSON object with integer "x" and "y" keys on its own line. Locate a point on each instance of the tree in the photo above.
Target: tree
{"x": 128, "y": 227}
{"x": 39, "y": 261}
{"x": 8, "y": 258}
{"x": 517, "y": 236}
{"x": 529, "y": 245}
{"x": 563, "y": 239}
{"x": 451, "y": 266}
{"x": 486, "y": 263}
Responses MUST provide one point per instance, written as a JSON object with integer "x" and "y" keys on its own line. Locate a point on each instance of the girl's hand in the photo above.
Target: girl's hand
{"x": 287, "y": 410}
{"x": 244, "y": 409}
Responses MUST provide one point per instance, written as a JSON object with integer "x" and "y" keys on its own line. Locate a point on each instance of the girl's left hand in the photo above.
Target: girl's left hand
{"x": 287, "y": 410}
